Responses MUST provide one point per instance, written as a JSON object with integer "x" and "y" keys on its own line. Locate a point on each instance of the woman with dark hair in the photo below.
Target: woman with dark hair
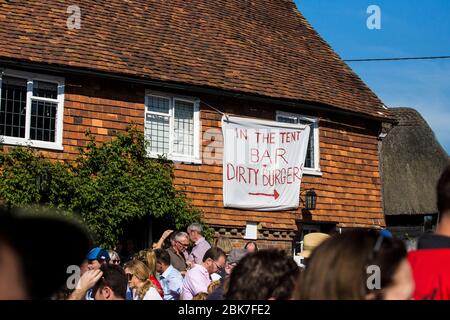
{"x": 358, "y": 265}
{"x": 263, "y": 275}
{"x": 251, "y": 247}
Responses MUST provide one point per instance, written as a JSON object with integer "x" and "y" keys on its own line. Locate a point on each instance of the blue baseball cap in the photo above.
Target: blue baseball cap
{"x": 98, "y": 254}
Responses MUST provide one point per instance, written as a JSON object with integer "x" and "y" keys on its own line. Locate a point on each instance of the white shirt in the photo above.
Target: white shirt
{"x": 151, "y": 294}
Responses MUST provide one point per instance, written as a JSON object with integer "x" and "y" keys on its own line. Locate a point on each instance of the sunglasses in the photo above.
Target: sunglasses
{"x": 129, "y": 276}
{"x": 182, "y": 244}
{"x": 115, "y": 261}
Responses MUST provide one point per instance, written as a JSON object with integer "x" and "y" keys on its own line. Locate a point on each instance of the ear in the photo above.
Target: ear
{"x": 107, "y": 293}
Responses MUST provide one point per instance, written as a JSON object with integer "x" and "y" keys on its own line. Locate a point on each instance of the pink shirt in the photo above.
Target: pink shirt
{"x": 196, "y": 280}
{"x": 199, "y": 250}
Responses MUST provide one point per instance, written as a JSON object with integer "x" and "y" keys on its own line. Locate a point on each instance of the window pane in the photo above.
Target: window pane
{"x": 157, "y": 104}
{"x": 45, "y": 89}
{"x": 157, "y": 133}
{"x": 43, "y": 118}
{"x": 13, "y": 107}
{"x": 309, "y": 161}
{"x": 183, "y": 142}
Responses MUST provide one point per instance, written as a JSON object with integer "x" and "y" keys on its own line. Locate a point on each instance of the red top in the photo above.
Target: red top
{"x": 158, "y": 285}
{"x": 431, "y": 273}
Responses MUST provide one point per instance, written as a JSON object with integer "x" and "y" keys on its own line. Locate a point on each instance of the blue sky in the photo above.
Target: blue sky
{"x": 409, "y": 28}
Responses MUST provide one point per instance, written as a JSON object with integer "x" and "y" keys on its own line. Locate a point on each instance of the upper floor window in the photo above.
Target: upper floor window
{"x": 311, "y": 166}
{"x": 31, "y": 109}
{"x": 172, "y": 126}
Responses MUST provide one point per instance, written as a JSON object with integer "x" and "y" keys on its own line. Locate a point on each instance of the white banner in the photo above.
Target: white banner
{"x": 262, "y": 163}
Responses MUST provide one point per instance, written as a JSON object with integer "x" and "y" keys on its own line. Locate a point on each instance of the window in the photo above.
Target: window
{"x": 172, "y": 125}
{"x": 31, "y": 109}
{"x": 312, "y": 154}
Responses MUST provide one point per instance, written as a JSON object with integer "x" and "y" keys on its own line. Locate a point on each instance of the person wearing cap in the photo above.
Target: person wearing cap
{"x": 24, "y": 267}
{"x": 232, "y": 260}
{"x": 95, "y": 258}
{"x": 310, "y": 242}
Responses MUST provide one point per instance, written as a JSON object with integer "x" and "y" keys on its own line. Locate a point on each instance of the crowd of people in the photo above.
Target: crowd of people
{"x": 357, "y": 264}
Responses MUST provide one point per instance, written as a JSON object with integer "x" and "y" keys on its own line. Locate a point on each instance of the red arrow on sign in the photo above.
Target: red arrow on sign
{"x": 275, "y": 194}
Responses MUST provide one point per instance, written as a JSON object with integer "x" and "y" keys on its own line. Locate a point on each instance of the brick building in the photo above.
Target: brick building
{"x": 170, "y": 67}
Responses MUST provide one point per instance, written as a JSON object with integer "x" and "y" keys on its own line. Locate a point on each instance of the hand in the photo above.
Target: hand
{"x": 89, "y": 279}
{"x": 166, "y": 234}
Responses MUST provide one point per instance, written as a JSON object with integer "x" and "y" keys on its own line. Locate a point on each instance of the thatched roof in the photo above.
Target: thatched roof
{"x": 411, "y": 162}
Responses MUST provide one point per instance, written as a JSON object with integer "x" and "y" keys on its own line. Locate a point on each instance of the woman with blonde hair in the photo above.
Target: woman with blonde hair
{"x": 224, "y": 243}
{"x": 138, "y": 275}
{"x": 149, "y": 258}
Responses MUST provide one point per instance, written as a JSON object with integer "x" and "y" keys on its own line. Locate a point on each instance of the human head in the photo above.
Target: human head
{"x": 137, "y": 273}
{"x": 224, "y": 243}
{"x": 148, "y": 257}
{"x": 312, "y": 241}
{"x": 214, "y": 260}
{"x": 195, "y": 231}
{"x": 96, "y": 257}
{"x": 251, "y": 247}
{"x": 233, "y": 259}
{"x": 112, "y": 285}
{"x": 263, "y": 275}
{"x": 25, "y": 272}
{"x": 200, "y": 296}
{"x": 162, "y": 260}
{"x": 340, "y": 267}
{"x": 114, "y": 257}
{"x": 181, "y": 241}
{"x": 443, "y": 193}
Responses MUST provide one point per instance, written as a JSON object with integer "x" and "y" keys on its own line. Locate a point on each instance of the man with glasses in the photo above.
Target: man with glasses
{"x": 178, "y": 253}
{"x": 200, "y": 244}
{"x": 198, "y": 278}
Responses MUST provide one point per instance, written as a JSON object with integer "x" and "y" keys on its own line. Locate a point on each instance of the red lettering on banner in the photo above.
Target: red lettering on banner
{"x": 241, "y": 133}
{"x": 276, "y": 158}
{"x": 268, "y": 138}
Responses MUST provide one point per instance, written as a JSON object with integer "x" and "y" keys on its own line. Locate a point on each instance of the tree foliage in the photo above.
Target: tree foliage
{"x": 107, "y": 186}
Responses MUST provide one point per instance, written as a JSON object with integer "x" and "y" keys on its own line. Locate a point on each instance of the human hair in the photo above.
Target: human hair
{"x": 200, "y": 296}
{"x": 338, "y": 267}
{"x": 214, "y": 254}
{"x": 195, "y": 227}
{"x": 113, "y": 277}
{"x": 167, "y": 243}
{"x": 263, "y": 275}
{"x": 113, "y": 255}
{"x": 249, "y": 243}
{"x": 443, "y": 192}
{"x": 224, "y": 243}
{"x": 162, "y": 256}
{"x": 140, "y": 270}
{"x": 149, "y": 258}
{"x": 213, "y": 286}
{"x": 180, "y": 235}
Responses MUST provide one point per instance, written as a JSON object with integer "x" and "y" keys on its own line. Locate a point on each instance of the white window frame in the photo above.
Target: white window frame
{"x": 315, "y": 126}
{"x": 195, "y": 158}
{"x": 30, "y": 77}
